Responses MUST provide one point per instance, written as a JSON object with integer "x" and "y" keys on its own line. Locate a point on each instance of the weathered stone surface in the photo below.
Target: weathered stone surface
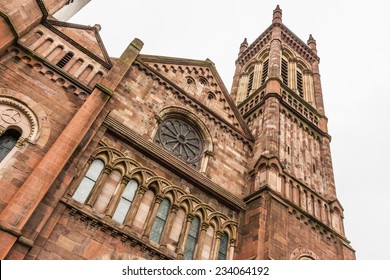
{"x": 263, "y": 186}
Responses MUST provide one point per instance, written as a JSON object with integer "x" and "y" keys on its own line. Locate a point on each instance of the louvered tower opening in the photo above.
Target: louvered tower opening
{"x": 265, "y": 72}
{"x": 65, "y": 60}
{"x": 285, "y": 71}
{"x": 300, "y": 83}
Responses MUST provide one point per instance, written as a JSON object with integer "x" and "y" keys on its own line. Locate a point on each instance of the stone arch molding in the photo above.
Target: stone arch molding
{"x": 14, "y": 114}
{"x": 21, "y": 113}
{"x": 303, "y": 254}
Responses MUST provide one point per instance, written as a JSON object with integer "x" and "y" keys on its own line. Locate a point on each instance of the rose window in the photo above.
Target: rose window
{"x": 181, "y": 139}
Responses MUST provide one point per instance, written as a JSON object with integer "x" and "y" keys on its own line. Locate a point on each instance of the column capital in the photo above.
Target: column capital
{"x": 158, "y": 199}
{"x": 219, "y": 234}
{"x": 205, "y": 226}
{"x": 190, "y": 217}
{"x": 175, "y": 208}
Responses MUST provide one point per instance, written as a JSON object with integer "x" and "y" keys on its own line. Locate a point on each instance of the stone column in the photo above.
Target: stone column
{"x": 134, "y": 207}
{"x": 96, "y": 190}
{"x": 292, "y": 74}
{"x": 217, "y": 243}
{"x": 183, "y": 236}
{"x": 230, "y": 255}
{"x": 152, "y": 217}
{"x": 168, "y": 226}
{"x": 111, "y": 207}
{"x": 204, "y": 227}
{"x": 257, "y": 75}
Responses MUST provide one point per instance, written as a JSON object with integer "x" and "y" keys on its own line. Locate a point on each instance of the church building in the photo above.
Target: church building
{"x": 152, "y": 157}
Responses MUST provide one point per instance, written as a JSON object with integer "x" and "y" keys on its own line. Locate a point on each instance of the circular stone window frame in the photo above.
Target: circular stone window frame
{"x": 29, "y": 134}
{"x": 174, "y": 112}
{"x": 177, "y": 136}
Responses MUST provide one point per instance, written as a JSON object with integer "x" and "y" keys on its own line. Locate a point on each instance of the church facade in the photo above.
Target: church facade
{"x": 150, "y": 157}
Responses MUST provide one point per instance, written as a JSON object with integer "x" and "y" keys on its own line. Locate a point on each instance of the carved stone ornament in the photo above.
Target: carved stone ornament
{"x": 14, "y": 113}
{"x": 181, "y": 139}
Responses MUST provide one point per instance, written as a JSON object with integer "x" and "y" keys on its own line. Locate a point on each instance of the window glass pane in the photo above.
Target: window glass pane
{"x": 125, "y": 202}
{"x": 7, "y": 142}
{"x": 130, "y": 190}
{"x": 194, "y": 228}
{"x": 121, "y": 211}
{"x": 190, "y": 247}
{"x": 191, "y": 239}
{"x": 157, "y": 229}
{"x": 159, "y": 222}
{"x": 83, "y": 190}
{"x": 95, "y": 169}
{"x": 163, "y": 210}
{"x": 223, "y": 247}
{"x": 88, "y": 181}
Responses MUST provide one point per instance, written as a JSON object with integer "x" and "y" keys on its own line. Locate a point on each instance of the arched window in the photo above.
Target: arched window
{"x": 125, "y": 202}
{"x": 192, "y": 238}
{"x": 181, "y": 139}
{"x": 88, "y": 181}
{"x": 7, "y": 141}
{"x": 223, "y": 247}
{"x": 159, "y": 221}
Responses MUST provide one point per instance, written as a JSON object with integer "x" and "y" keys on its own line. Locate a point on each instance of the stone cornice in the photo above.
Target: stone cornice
{"x": 44, "y": 11}
{"x": 174, "y": 164}
{"x": 247, "y": 139}
{"x": 11, "y": 26}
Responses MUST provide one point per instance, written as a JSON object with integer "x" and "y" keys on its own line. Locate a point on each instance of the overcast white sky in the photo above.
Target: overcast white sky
{"x": 353, "y": 41}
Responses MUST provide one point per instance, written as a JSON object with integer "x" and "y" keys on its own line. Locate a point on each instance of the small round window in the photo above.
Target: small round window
{"x": 181, "y": 139}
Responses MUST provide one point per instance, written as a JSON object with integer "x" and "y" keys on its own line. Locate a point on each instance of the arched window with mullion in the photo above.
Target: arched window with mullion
{"x": 8, "y": 141}
{"x": 159, "y": 221}
{"x": 192, "y": 239}
{"x": 89, "y": 181}
{"x": 223, "y": 247}
{"x": 125, "y": 202}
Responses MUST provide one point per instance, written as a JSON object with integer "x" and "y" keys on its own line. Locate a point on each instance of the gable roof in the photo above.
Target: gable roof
{"x": 85, "y": 38}
{"x": 207, "y": 87}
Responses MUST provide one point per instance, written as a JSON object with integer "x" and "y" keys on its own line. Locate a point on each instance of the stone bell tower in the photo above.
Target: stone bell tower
{"x": 292, "y": 210}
